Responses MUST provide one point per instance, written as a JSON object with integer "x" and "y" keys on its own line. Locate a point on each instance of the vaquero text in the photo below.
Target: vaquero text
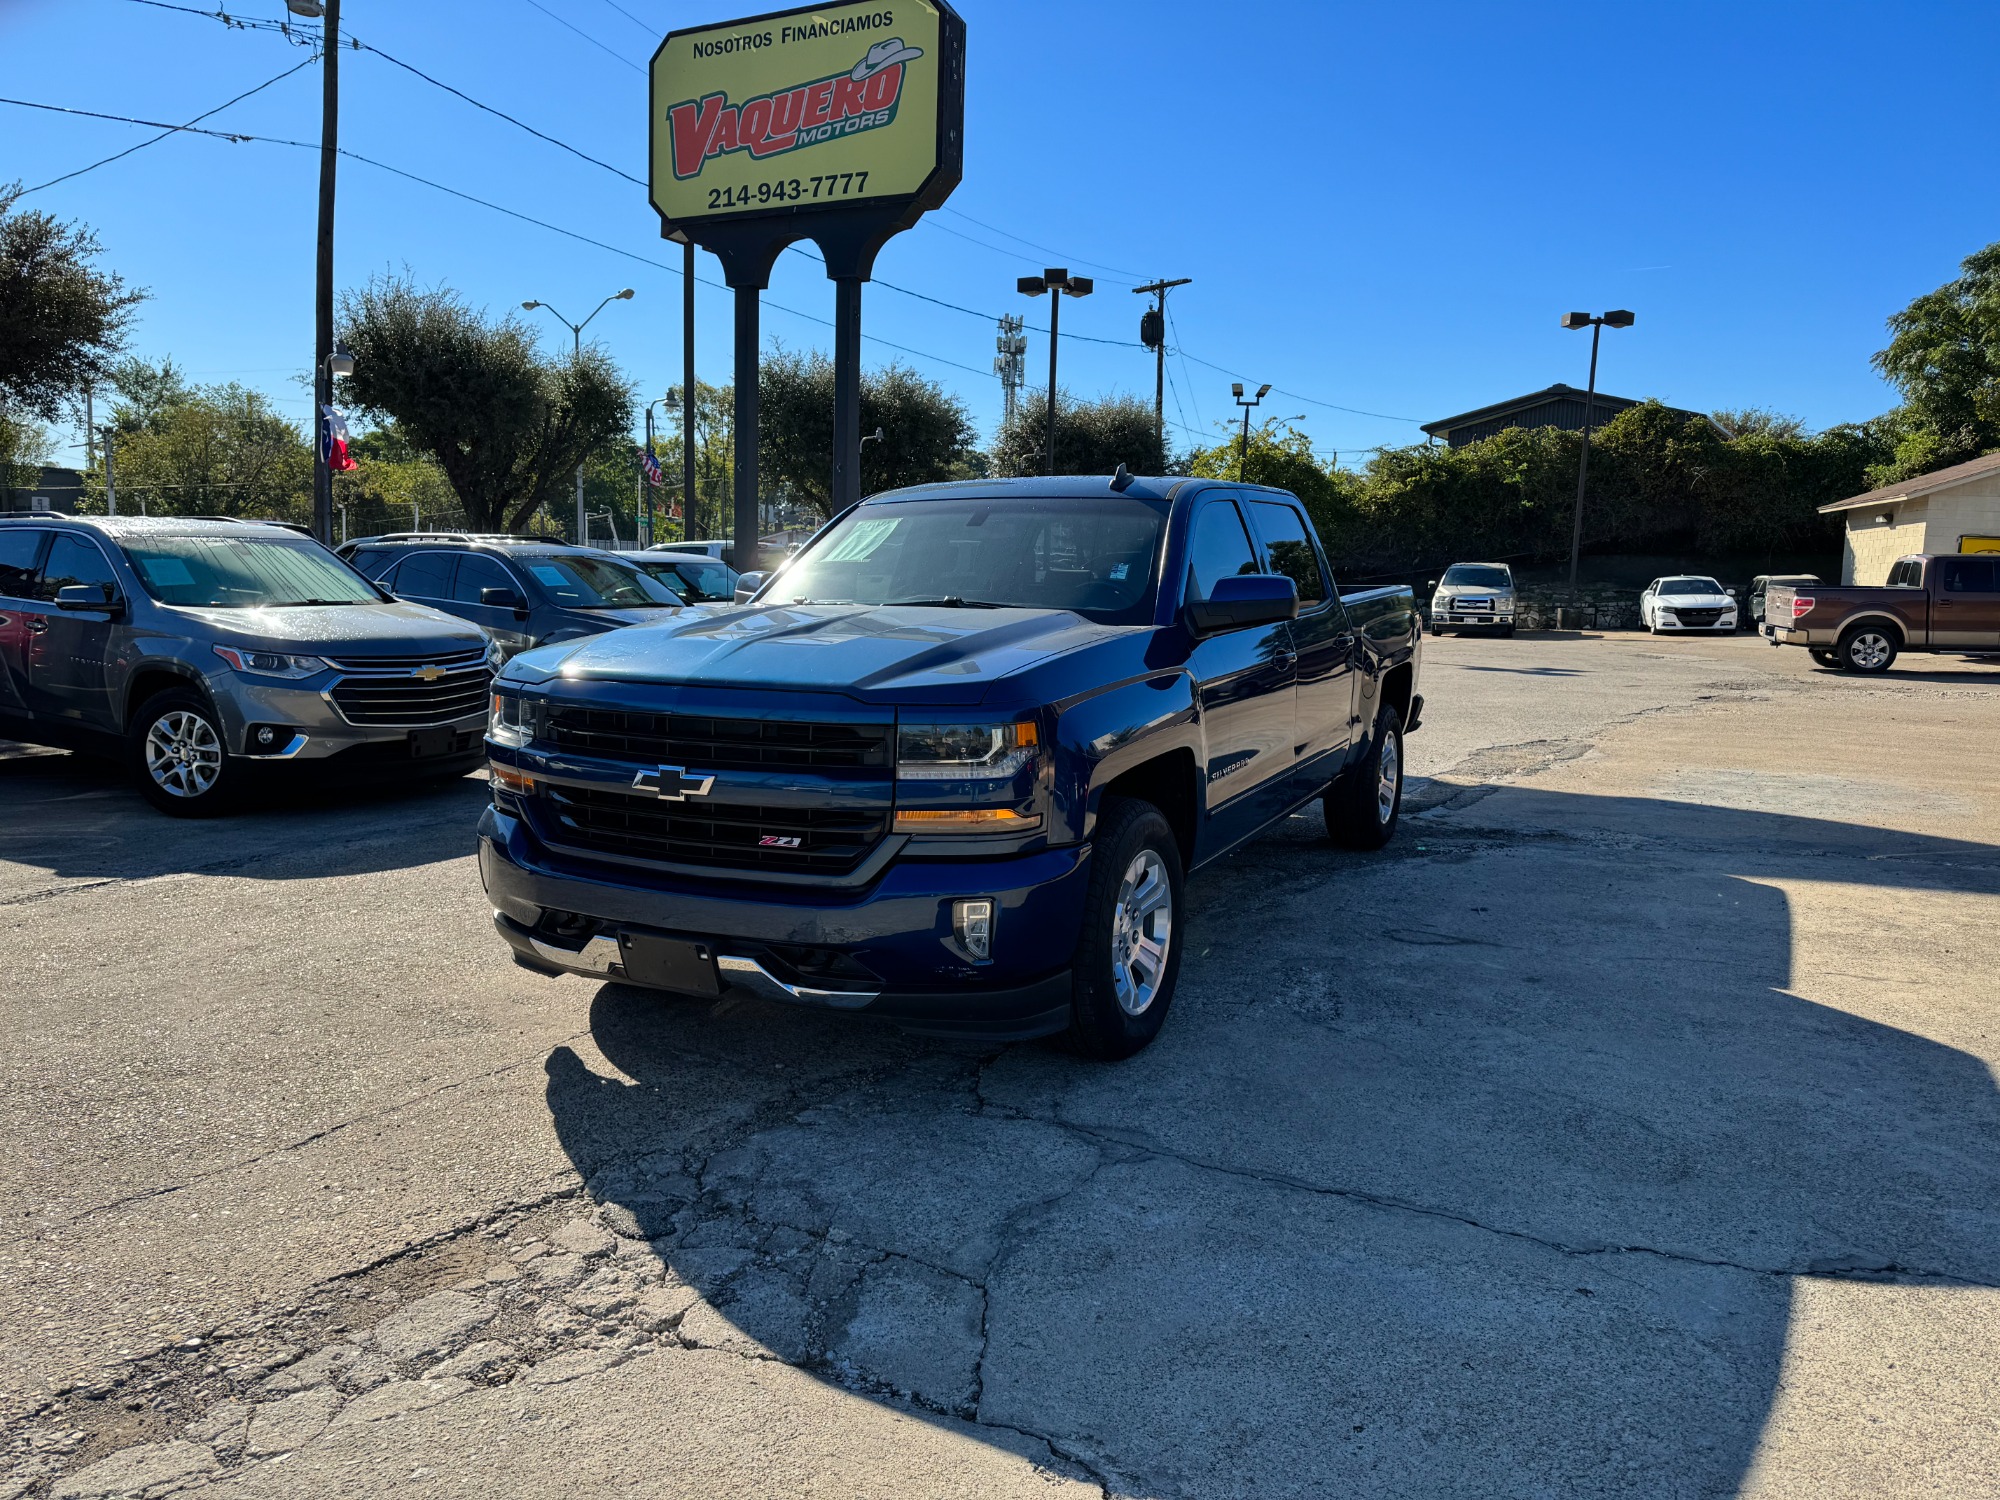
{"x": 772, "y": 124}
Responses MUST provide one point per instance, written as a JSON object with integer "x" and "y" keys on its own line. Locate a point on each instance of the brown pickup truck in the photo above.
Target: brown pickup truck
{"x": 1942, "y": 603}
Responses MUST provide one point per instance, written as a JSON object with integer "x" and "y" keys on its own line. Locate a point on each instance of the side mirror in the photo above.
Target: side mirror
{"x": 89, "y": 596}
{"x": 1430, "y": 584}
{"x": 1242, "y": 601}
{"x": 747, "y": 585}
{"x": 504, "y": 599}
{"x": 1730, "y": 592}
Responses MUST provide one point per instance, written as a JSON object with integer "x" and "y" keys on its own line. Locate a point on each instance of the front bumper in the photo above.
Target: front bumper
{"x": 892, "y": 940}
{"x": 308, "y": 727}
{"x": 1724, "y": 626}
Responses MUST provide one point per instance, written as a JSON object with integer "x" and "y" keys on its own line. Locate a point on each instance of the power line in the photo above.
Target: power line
{"x": 587, "y": 37}
{"x": 301, "y": 36}
{"x": 172, "y": 130}
{"x": 1007, "y": 234}
{"x": 649, "y": 30}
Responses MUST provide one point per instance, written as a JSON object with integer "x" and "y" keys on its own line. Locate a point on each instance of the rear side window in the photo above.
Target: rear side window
{"x": 371, "y": 562}
{"x": 426, "y": 576}
{"x": 18, "y": 548}
{"x": 1292, "y": 551}
{"x": 1218, "y": 549}
{"x": 73, "y": 561}
{"x": 1967, "y": 575}
{"x": 476, "y": 573}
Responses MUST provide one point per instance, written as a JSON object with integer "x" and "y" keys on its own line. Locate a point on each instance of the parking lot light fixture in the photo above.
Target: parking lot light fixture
{"x": 1243, "y": 448}
{"x": 1616, "y": 318}
{"x": 1054, "y": 281}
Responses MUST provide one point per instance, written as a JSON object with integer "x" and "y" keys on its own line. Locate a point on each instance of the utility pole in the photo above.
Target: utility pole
{"x": 110, "y": 479}
{"x": 1617, "y": 318}
{"x": 89, "y": 426}
{"x": 1153, "y": 334}
{"x": 329, "y": 157}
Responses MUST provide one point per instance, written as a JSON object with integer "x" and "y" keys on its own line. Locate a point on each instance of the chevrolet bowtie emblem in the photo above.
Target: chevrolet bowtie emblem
{"x": 672, "y": 784}
{"x": 428, "y": 674}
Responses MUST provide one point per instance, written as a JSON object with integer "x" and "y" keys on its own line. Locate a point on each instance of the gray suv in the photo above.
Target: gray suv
{"x": 198, "y": 649}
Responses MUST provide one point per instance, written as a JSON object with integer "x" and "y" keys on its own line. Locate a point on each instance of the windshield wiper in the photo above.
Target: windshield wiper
{"x": 946, "y": 601}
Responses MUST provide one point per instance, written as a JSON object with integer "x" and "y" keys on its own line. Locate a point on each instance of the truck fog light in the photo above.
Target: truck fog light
{"x": 972, "y": 925}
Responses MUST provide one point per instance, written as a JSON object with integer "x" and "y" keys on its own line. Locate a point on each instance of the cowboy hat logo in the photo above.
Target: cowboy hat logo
{"x": 863, "y": 98}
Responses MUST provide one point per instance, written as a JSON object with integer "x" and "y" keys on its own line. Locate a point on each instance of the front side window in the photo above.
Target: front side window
{"x": 1292, "y": 551}
{"x": 1094, "y": 555}
{"x": 19, "y": 546}
{"x": 72, "y": 561}
{"x": 596, "y": 583}
{"x": 230, "y": 572}
{"x": 1218, "y": 548}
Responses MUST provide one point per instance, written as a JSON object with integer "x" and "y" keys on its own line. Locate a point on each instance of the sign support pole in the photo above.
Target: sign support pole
{"x": 687, "y": 389}
{"x": 746, "y": 427}
{"x": 846, "y": 392}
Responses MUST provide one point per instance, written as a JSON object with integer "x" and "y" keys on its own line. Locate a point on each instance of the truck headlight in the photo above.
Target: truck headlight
{"x": 270, "y": 663}
{"x": 511, "y": 723}
{"x": 965, "y": 752}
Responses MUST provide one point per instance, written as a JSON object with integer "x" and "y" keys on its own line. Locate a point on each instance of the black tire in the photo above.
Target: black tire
{"x": 177, "y": 753}
{"x": 1506, "y": 632}
{"x": 1866, "y": 648}
{"x": 1114, "y": 1011}
{"x": 1364, "y": 806}
{"x": 1824, "y": 657}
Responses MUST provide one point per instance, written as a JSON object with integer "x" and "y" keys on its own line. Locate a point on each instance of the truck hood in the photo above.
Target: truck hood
{"x": 399, "y": 629}
{"x": 822, "y": 647}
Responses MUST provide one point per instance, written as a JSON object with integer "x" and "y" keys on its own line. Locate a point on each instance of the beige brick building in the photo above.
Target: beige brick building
{"x": 1950, "y": 510}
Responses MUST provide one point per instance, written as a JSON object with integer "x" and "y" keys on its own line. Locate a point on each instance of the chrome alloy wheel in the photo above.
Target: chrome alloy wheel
{"x": 1141, "y": 929}
{"x": 183, "y": 754}
{"x": 1868, "y": 650}
{"x": 1388, "y": 777}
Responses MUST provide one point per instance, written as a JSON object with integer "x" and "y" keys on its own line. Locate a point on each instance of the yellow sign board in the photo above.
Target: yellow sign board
{"x": 833, "y": 106}
{"x": 1979, "y": 544}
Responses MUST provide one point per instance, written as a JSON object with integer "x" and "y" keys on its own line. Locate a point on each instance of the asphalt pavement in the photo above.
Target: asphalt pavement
{"x": 1629, "y": 1127}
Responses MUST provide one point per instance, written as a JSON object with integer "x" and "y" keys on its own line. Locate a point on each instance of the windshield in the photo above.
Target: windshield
{"x": 698, "y": 579}
{"x": 1689, "y": 586}
{"x": 230, "y": 572}
{"x": 1478, "y": 576}
{"x": 597, "y": 583}
{"x": 1095, "y": 556}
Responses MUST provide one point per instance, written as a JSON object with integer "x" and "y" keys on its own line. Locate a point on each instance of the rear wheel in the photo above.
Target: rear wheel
{"x": 1128, "y": 956}
{"x": 177, "y": 754}
{"x": 1362, "y": 808}
{"x": 1867, "y": 648}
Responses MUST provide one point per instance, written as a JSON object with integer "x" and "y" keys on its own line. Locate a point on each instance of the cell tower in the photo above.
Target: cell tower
{"x": 1011, "y": 364}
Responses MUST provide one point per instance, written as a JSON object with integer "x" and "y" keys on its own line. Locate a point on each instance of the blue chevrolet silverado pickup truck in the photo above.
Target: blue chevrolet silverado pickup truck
{"x": 951, "y": 765}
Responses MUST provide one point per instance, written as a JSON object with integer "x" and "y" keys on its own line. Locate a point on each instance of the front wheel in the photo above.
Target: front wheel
{"x": 1362, "y": 808}
{"x": 1128, "y": 956}
{"x": 1867, "y": 648}
{"x": 1825, "y": 658}
{"x": 177, "y": 754}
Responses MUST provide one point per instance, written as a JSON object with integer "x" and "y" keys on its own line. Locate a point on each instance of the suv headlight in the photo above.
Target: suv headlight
{"x": 983, "y": 775}
{"x": 270, "y": 663}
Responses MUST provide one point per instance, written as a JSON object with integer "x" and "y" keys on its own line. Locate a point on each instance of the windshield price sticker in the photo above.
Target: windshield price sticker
{"x": 848, "y": 94}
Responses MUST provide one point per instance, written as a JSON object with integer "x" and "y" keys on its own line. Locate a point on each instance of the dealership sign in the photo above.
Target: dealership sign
{"x": 793, "y": 114}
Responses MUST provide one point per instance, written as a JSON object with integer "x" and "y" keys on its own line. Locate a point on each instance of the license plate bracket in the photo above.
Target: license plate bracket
{"x": 426, "y": 743}
{"x": 677, "y": 964}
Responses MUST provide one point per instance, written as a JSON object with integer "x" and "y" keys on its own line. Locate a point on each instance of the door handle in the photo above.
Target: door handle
{"x": 1284, "y": 659}
{"x": 37, "y": 625}
{"x": 1944, "y": 604}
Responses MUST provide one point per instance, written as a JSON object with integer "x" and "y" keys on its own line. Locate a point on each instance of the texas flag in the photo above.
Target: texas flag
{"x": 333, "y": 441}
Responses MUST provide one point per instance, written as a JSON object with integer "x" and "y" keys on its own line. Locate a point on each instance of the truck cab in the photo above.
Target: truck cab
{"x": 953, "y": 762}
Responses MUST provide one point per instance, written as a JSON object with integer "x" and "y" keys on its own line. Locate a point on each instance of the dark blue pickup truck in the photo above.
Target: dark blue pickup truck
{"x": 951, "y": 764}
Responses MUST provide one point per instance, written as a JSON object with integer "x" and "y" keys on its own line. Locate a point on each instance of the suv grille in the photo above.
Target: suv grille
{"x": 454, "y": 659}
{"x": 408, "y": 700}
{"x": 831, "y": 840}
{"x": 717, "y": 744}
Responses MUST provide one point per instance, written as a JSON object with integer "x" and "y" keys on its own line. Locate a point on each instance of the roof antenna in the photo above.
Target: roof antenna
{"x": 1121, "y": 481}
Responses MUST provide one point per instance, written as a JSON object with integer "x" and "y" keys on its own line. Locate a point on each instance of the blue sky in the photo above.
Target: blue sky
{"x": 1384, "y": 207}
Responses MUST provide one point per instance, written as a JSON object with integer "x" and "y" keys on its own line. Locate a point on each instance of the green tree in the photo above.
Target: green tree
{"x": 1092, "y": 437}
{"x": 218, "y": 450}
{"x": 24, "y": 448}
{"x": 1944, "y": 356}
{"x": 708, "y": 513}
{"x": 61, "y": 319}
{"x": 507, "y": 425}
{"x": 392, "y": 487}
{"x": 926, "y": 433}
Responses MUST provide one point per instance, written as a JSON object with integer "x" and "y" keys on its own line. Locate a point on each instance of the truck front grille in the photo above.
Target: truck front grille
{"x": 829, "y": 841}
{"x": 405, "y": 699}
{"x": 709, "y": 744}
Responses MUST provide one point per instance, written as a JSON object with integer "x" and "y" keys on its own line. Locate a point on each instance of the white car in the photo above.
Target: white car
{"x": 1687, "y": 603}
{"x": 1474, "y": 596}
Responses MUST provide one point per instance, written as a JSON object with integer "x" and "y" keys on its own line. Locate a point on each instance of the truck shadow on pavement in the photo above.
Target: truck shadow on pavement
{"x": 79, "y": 818}
{"x": 1492, "y": 1166}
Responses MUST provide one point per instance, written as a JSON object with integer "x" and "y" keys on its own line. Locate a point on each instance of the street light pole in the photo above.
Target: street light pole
{"x": 1243, "y": 448}
{"x": 1055, "y": 281}
{"x": 1153, "y": 334}
{"x": 1617, "y": 318}
{"x": 576, "y": 357}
